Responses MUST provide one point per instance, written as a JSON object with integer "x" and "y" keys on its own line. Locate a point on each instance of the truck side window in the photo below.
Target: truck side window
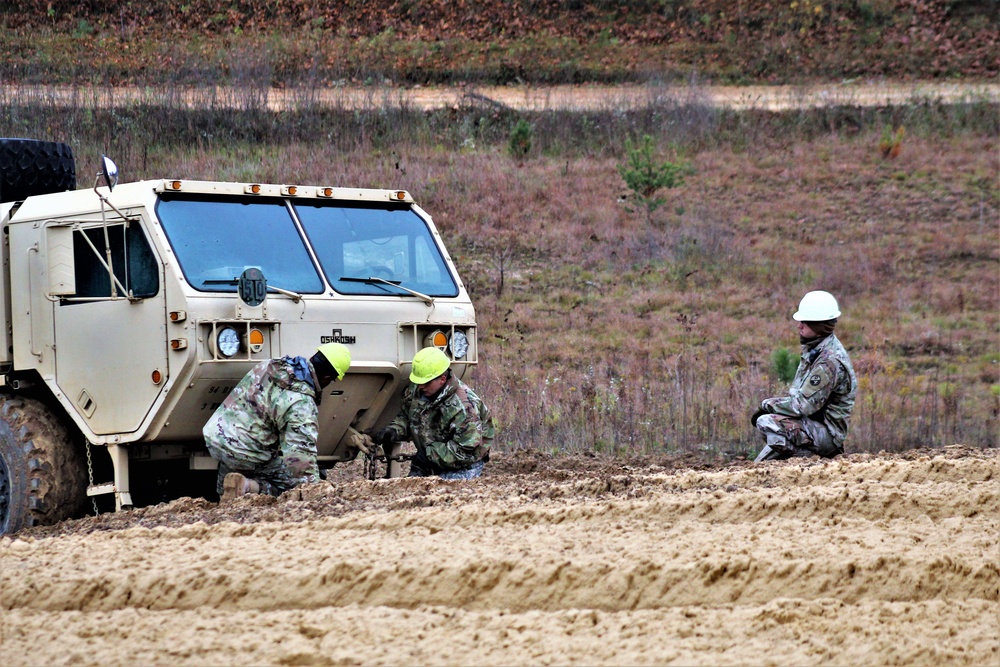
{"x": 132, "y": 258}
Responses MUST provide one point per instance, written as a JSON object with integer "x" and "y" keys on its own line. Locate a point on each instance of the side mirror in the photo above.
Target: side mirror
{"x": 109, "y": 170}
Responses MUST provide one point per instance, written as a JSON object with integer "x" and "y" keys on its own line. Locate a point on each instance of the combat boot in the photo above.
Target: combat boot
{"x": 776, "y": 448}
{"x": 235, "y": 485}
{"x": 767, "y": 454}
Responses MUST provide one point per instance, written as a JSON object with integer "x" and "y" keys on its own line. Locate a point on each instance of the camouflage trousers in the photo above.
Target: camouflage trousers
{"x": 273, "y": 476}
{"x": 473, "y": 471}
{"x": 788, "y": 437}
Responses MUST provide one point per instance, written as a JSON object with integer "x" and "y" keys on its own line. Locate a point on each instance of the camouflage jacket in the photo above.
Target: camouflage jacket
{"x": 823, "y": 389}
{"x": 451, "y": 430}
{"x": 272, "y": 411}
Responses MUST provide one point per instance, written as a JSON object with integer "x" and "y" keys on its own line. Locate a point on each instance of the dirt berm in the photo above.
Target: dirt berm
{"x": 866, "y": 559}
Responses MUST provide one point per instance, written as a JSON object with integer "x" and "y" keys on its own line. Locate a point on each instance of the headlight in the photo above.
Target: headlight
{"x": 227, "y": 342}
{"x": 459, "y": 345}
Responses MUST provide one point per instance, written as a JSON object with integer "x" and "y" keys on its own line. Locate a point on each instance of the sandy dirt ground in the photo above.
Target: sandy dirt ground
{"x": 520, "y": 98}
{"x": 862, "y": 560}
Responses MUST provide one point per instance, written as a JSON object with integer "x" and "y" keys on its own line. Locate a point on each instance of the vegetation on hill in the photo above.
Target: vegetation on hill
{"x": 494, "y": 41}
{"x": 606, "y": 323}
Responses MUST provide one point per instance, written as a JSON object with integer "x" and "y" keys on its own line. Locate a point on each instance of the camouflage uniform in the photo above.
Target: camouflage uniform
{"x": 267, "y": 428}
{"x": 813, "y": 418}
{"x": 452, "y": 431}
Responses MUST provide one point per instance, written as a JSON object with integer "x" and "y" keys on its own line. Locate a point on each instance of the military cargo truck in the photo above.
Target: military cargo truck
{"x": 130, "y": 310}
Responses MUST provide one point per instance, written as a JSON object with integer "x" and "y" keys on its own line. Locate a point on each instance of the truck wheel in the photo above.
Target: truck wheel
{"x": 43, "y": 476}
{"x": 30, "y": 167}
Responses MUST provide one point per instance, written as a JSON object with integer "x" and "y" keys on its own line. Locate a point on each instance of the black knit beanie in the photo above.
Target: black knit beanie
{"x": 821, "y": 329}
{"x": 325, "y": 371}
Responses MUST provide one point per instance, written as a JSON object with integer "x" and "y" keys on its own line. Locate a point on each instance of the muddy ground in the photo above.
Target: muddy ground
{"x": 865, "y": 559}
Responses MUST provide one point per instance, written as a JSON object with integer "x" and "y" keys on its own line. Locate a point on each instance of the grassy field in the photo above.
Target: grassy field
{"x": 605, "y": 329}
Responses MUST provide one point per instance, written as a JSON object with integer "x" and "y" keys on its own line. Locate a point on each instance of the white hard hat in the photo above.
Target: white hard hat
{"x": 818, "y": 306}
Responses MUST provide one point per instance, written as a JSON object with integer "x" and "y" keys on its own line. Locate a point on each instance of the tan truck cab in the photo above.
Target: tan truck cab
{"x": 130, "y": 311}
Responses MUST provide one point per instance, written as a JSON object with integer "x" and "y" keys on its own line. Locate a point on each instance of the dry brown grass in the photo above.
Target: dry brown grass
{"x": 616, "y": 336}
{"x": 610, "y": 334}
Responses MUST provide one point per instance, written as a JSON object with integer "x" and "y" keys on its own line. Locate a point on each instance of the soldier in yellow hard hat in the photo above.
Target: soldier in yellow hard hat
{"x": 446, "y": 420}
{"x": 264, "y": 434}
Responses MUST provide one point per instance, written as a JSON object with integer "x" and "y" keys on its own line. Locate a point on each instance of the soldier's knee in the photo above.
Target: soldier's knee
{"x": 769, "y": 424}
{"x": 297, "y": 467}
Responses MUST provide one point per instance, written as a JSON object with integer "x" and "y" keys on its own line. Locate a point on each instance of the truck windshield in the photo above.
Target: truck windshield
{"x": 215, "y": 240}
{"x": 388, "y": 241}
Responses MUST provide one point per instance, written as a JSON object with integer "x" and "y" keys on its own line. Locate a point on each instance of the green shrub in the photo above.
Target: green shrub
{"x": 784, "y": 364}
{"x": 521, "y": 135}
{"x": 646, "y": 178}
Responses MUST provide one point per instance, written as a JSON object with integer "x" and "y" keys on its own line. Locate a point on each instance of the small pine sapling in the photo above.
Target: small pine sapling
{"x": 784, "y": 364}
{"x": 645, "y": 177}
{"x": 520, "y": 139}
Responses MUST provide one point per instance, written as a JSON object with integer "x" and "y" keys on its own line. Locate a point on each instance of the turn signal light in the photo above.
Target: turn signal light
{"x": 436, "y": 339}
{"x": 254, "y": 340}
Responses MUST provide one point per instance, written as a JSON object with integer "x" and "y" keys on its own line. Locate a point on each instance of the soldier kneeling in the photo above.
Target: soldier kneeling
{"x": 264, "y": 434}
{"x": 813, "y": 418}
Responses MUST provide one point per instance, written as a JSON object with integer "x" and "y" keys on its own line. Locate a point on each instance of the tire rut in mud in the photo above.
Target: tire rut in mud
{"x": 862, "y": 528}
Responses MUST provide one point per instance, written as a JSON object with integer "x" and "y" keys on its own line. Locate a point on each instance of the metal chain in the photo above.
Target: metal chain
{"x": 371, "y": 464}
{"x": 372, "y": 459}
{"x": 90, "y": 477}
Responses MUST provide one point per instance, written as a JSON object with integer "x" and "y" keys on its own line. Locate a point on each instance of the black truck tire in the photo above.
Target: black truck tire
{"x": 43, "y": 475}
{"x": 31, "y": 167}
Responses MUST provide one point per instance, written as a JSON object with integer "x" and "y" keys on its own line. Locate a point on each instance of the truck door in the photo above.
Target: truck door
{"x": 111, "y": 356}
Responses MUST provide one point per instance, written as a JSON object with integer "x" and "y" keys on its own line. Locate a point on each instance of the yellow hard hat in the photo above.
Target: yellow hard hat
{"x": 428, "y": 364}
{"x": 339, "y": 357}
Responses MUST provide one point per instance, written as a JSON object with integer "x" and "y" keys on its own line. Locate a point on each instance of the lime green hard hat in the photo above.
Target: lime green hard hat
{"x": 428, "y": 364}
{"x": 339, "y": 357}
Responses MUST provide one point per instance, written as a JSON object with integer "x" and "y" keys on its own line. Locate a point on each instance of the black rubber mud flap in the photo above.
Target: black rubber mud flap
{"x": 31, "y": 167}
{"x": 43, "y": 475}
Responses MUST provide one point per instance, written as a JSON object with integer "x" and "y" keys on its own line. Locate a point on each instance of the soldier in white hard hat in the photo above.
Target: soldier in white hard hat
{"x": 445, "y": 419}
{"x": 264, "y": 434}
{"x": 814, "y": 417}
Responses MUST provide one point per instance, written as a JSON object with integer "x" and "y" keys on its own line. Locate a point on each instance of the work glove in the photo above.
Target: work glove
{"x": 760, "y": 412}
{"x": 360, "y": 441}
{"x": 386, "y": 436}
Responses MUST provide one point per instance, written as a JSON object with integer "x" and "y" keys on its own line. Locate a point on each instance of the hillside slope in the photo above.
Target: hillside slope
{"x": 555, "y": 41}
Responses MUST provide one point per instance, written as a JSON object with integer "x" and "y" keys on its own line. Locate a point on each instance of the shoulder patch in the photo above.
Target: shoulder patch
{"x": 820, "y": 377}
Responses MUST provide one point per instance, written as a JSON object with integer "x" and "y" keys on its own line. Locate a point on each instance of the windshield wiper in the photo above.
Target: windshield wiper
{"x": 294, "y": 296}
{"x": 374, "y": 280}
